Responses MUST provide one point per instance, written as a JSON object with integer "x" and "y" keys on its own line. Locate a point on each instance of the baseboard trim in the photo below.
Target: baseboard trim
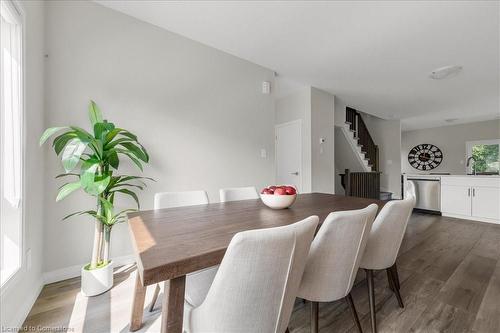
{"x": 74, "y": 271}
{"x": 24, "y": 311}
{"x": 471, "y": 218}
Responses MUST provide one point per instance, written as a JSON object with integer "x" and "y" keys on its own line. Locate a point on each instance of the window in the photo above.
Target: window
{"x": 486, "y": 156}
{"x": 11, "y": 143}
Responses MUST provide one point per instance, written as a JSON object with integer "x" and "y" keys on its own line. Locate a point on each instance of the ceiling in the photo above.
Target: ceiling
{"x": 374, "y": 55}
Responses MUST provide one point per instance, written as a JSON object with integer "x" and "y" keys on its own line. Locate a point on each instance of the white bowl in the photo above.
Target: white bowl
{"x": 278, "y": 201}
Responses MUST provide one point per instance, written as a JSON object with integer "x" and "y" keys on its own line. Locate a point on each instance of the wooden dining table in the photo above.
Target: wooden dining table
{"x": 170, "y": 243}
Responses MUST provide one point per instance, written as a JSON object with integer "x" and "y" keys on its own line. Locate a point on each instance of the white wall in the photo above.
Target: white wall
{"x": 19, "y": 294}
{"x": 199, "y": 112}
{"x": 340, "y": 106}
{"x": 315, "y": 108}
{"x": 322, "y": 155}
{"x": 294, "y": 106}
{"x": 451, "y": 140}
{"x": 387, "y": 136}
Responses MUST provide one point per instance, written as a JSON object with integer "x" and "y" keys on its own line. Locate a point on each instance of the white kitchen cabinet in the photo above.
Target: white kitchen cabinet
{"x": 471, "y": 198}
{"x": 486, "y": 202}
{"x": 456, "y": 199}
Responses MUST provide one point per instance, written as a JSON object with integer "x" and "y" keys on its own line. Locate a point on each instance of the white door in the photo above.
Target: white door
{"x": 456, "y": 200}
{"x": 485, "y": 202}
{"x": 289, "y": 154}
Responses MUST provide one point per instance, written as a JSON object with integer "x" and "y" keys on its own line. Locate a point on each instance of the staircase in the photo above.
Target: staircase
{"x": 365, "y": 183}
{"x": 366, "y": 148}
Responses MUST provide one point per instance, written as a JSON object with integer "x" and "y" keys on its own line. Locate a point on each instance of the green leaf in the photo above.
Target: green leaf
{"x": 67, "y": 189}
{"x": 118, "y": 218}
{"x": 71, "y": 154}
{"x": 48, "y": 133}
{"x": 131, "y": 156}
{"x": 128, "y": 134}
{"x": 130, "y": 193}
{"x": 87, "y": 174}
{"x": 101, "y": 129}
{"x": 82, "y": 134}
{"x": 92, "y": 213}
{"x": 145, "y": 152}
{"x": 95, "y": 114}
{"x": 98, "y": 186}
{"x": 107, "y": 208}
{"x": 116, "y": 142}
{"x": 67, "y": 174}
{"x": 112, "y": 134}
{"x": 93, "y": 184}
{"x": 137, "y": 151}
{"x": 113, "y": 160}
{"x": 61, "y": 141}
{"x": 129, "y": 185}
{"x": 126, "y": 178}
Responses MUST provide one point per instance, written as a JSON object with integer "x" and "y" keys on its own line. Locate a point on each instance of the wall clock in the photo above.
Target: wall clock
{"x": 425, "y": 157}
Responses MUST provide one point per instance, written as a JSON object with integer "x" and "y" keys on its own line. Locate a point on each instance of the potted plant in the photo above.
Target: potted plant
{"x": 92, "y": 159}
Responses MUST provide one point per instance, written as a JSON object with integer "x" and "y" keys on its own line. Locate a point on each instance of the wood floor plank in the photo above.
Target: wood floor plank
{"x": 443, "y": 318}
{"x": 450, "y": 282}
{"x": 488, "y": 316}
{"x": 466, "y": 287}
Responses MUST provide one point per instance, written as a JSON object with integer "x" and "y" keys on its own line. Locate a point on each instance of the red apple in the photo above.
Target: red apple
{"x": 290, "y": 190}
{"x": 280, "y": 191}
{"x": 272, "y": 187}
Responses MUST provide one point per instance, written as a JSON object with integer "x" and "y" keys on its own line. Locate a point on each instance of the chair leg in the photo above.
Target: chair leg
{"x": 349, "y": 301}
{"x": 394, "y": 287}
{"x": 395, "y": 273}
{"x": 388, "y": 271}
{"x": 155, "y": 298}
{"x": 371, "y": 299}
{"x": 314, "y": 317}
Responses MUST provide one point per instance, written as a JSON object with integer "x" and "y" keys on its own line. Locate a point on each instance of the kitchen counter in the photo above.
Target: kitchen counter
{"x": 417, "y": 175}
{"x": 471, "y": 197}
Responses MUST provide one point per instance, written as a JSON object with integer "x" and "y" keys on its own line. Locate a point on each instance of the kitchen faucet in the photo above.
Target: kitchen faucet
{"x": 474, "y": 167}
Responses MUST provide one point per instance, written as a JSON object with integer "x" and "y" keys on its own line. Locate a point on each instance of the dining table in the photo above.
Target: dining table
{"x": 170, "y": 243}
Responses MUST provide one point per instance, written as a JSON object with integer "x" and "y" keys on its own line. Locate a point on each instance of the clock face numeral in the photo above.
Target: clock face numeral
{"x": 425, "y": 157}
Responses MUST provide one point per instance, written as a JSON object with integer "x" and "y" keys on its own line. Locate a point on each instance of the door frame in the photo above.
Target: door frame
{"x": 276, "y": 127}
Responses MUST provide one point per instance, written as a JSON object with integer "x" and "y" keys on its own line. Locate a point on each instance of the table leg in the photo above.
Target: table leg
{"x": 137, "y": 304}
{"x": 172, "y": 311}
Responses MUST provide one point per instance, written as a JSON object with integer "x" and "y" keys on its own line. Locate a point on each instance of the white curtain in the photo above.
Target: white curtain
{"x": 11, "y": 59}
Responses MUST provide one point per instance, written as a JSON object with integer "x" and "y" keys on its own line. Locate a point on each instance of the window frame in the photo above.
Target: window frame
{"x": 18, "y": 12}
{"x": 470, "y": 144}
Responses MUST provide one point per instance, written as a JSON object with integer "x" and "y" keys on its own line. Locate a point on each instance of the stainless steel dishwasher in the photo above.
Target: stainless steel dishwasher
{"x": 428, "y": 192}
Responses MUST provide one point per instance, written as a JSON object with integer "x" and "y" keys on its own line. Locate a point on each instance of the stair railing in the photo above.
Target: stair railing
{"x": 368, "y": 146}
{"x": 361, "y": 184}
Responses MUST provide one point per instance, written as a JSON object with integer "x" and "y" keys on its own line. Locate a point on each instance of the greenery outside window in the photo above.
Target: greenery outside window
{"x": 486, "y": 156}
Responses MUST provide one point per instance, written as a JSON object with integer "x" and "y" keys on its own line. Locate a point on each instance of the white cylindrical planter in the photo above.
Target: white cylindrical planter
{"x": 97, "y": 281}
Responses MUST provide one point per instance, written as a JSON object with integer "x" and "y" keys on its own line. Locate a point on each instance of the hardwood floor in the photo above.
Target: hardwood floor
{"x": 450, "y": 282}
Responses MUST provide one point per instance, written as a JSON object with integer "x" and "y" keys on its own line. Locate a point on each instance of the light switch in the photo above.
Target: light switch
{"x": 263, "y": 153}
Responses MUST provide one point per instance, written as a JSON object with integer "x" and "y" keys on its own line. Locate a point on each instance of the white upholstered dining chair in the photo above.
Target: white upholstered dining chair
{"x": 255, "y": 287}
{"x": 334, "y": 259}
{"x": 197, "y": 283}
{"x": 383, "y": 246}
{"x": 410, "y": 191}
{"x": 238, "y": 193}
